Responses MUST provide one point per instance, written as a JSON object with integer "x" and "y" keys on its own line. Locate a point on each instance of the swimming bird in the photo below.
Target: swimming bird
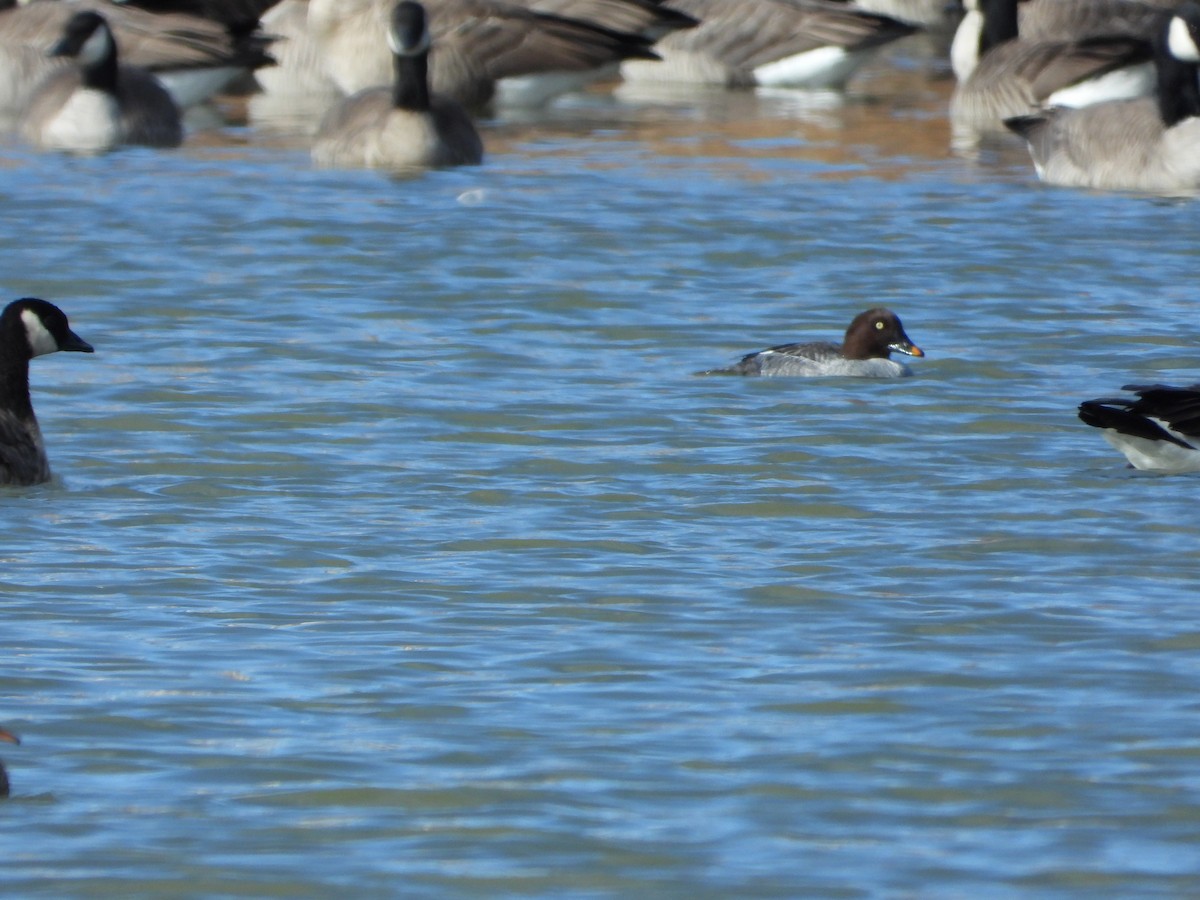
{"x": 98, "y": 104}
{"x": 10, "y": 738}
{"x": 768, "y": 43}
{"x": 401, "y": 127}
{"x": 28, "y": 327}
{"x": 1157, "y": 432}
{"x": 1149, "y": 144}
{"x": 1015, "y": 76}
{"x": 865, "y": 352}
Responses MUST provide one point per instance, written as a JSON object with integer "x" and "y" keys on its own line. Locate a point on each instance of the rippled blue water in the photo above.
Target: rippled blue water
{"x": 396, "y": 550}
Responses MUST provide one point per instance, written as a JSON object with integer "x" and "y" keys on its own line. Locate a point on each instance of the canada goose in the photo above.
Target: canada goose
{"x": 1149, "y": 144}
{"x": 871, "y": 339}
{"x": 28, "y": 327}
{"x": 481, "y": 45}
{"x": 1014, "y": 77}
{"x": 768, "y": 43}
{"x": 1060, "y": 21}
{"x": 1157, "y": 432}
{"x": 401, "y": 127}
{"x": 98, "y": 104}
{"x": 10, "y": 738}
{"x": 193, "y": 57}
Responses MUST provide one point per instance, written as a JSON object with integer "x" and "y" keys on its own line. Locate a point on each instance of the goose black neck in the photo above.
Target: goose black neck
{"x": 102, "y": 74}
{"x": 999, "y": 23}
{"x": 14, "y": 387}
{"x": 14, "y": 366}
{"x": 1178, "y": 85}
{"x": 411, "y": 89}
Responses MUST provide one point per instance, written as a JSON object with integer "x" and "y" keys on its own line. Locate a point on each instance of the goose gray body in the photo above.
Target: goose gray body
{"x": 935, "y": 15}
{"x": 404, "y": 126}
{"x": 193, "y": 57}
{"x": 784, "y": 43}
{"x": 1021, "y": 77}
{"x": 368, "y": 131}
{"x": 22, "y": 69}
{"x": 481, "y": 44}
{"x": 28, "y": 328}
{"x": 1159, "y": 431}
{"x": 236, "y": 15}
{"x": 1150, "y": 144}
{"x": 1015, "y": 76}
{"x": 1058, "y": 21}
{"x": 98, "y": 104}
{"x": 651, "y": 19}
{"x": 1123, "y": 145}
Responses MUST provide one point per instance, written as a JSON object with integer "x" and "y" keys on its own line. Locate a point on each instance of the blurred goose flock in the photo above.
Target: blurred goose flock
{"x": 396, "y": 539}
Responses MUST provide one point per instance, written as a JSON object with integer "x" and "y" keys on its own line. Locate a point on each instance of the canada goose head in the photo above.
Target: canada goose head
{"x": 87, "y": 38}
{"x": 408, "y": 39}
{"x": 44, "y": 325}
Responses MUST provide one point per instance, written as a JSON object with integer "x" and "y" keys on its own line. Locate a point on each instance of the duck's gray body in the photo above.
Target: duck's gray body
{"x": 865, "y": 352}
{"x": 814, "y": 360}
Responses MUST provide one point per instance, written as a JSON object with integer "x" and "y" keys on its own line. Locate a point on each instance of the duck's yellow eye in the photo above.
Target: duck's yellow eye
{"x": 879, "y": 324}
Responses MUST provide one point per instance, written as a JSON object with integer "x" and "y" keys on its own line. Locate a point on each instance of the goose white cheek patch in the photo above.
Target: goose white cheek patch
{"x": 422, "y": 46}
{"x": 95, "y": 48}
{"x": 40, "y": 339}
{"x": 1180, "y": 42}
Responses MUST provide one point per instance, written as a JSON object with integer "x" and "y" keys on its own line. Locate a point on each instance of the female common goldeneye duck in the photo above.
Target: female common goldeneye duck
{"x": 28, "y": 328}
{"x": 12, "y": 739}
{"x": 1157, "y": 432}
{"x": 865, "y": 352}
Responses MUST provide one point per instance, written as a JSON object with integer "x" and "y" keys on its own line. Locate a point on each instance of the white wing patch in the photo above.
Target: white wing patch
{"x": 1180, "y": 41}
{"x": 1121, "y": 84}
{"x": 823, "y": 67}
